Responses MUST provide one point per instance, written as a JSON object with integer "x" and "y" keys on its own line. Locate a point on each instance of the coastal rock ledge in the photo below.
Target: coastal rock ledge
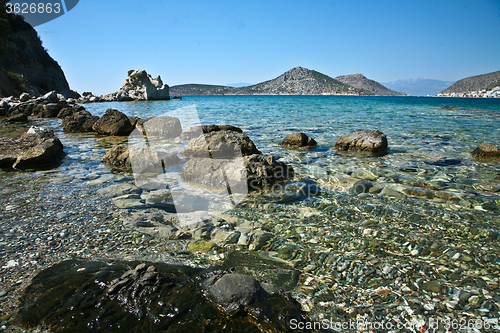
{"x": 139, "y": 85}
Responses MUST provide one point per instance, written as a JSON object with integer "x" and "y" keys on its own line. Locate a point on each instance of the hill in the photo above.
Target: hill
{"x": 361, "y": 82}
{"x": 297, "y": 81}
{"x": 474, "y": 84}
{"x": 419, "y": 86}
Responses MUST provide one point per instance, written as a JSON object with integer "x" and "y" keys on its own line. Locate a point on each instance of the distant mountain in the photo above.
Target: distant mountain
{"x": 239, "y": 84}
{"x": 474, "y": 83}
{"x": 419, "y": 86}
{"x": 361, "y": 82}
{"x": 297, "y": 81}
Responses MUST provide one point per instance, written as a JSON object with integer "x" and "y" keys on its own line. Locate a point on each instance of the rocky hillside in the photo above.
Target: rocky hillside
{"x": 361, "y": 82}
{"x": 200, "y": 89}
{"x": 297, "y": 81}
{"x": 24, "y": 63}
{"x": 474, "y": 83}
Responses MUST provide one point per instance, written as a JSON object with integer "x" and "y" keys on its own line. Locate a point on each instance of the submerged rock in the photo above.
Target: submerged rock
{"x": 298, "y": 140}
{"x": 109, "y": 296}
{"x": 128, "y": 156}
{"x": 37, "y": 148}
{"x": 371, "y": 142}
{"x": 486, "y": 150}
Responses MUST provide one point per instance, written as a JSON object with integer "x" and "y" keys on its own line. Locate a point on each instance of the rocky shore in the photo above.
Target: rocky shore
{"x": 333, "y": 241}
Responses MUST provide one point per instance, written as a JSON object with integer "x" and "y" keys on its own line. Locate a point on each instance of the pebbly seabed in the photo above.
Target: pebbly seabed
{"x": 410, "y": 237}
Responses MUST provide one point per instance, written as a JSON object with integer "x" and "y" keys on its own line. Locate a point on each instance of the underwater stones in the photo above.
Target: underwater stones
{"x": 202, "y": 246}
{"x": 486, "y": 150}
{"x": 114, "y": 123}
{"x": 37, "y": 148}
{"x": 368, "y": 141}
{"x": 298, "y": 140}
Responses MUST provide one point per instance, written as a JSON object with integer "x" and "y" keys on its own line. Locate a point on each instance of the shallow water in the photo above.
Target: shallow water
{"x": 451, "y": 199}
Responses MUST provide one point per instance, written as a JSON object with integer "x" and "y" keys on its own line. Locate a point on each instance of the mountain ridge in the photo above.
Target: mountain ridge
{"x": 475, "y": 83}
{"x": 296, "y": 81}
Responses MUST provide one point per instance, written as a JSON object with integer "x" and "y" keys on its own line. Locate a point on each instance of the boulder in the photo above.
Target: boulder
{"x": 128, "y": 156}
{"x": 371, "y": 142}
{"x": 79, "y": 122}
{"x": 298, "y": 140}
{"x": 110, "y": 295}
{"x": 140, "y": 86}
{"x": 113, "y": 122}
{"x": 164, "y": 127}
{"x": 70, "y": 110}
{"x": 486, "y": 150}
{"x": 240, "y": 174}
{"x": 37, "y": 148}
{"x": 221, "y": 144}
{"x": 17, "y": 117}
{"x": 24, "y": 97}
{"x": 51, "y": 110}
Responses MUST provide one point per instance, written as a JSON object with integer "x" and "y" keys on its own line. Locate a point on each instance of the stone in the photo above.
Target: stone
{"x": 164, "y": 127}
{"x": 221, "y": 145}
{"x": 114, "y": 123}
{"x": 233, "y": 290}
{"x": 139, "y": 85}
{"x": 202, "y": 246}
{"x": 135, "y": 156}
{"x": 24, "y": 97}
{"x": 37, "y": 148}
{"x": 370, "y": 142}
{"x": 79, "y": 122}
{"x": 51, "y": 110}
{"x": 486, "y": 150}
{"x": 196, "y": 131}
{"x": 298, "y": 140}
{"x": 70, "y": 110}
{"x": 17, "y": 117}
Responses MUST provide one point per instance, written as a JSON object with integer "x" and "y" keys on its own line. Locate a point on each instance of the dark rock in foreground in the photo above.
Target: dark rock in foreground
{"x": 37, "y": 148}
{"x": 371, "y": 142}
{"x": 150, "y": 297}
{"x": 113, "y": 122}
{"x": 486, "y": 150}
{"x": 298, "y": 140}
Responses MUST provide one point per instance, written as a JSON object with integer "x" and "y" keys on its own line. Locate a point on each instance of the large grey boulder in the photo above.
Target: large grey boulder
{"x": 371, "y": 142}
{"x": 81, "y": 121}
{"x": 37, "y": 148}
{"x": 234, "y": 290}
{"x": 113, "y": 122}
{"x": 221, "y": 144}
{"x": 139, "y": 85}
{"x": 196, "y": 131}
{"x": 164, "y": 127}
{"x": 128, "y": 156}
{"x": 486, "y": 150}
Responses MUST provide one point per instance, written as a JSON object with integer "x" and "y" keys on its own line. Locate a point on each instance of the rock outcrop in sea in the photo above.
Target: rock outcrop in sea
{"x": 140, "y": 86}
{"x": 298, "y": 140}
{"x": 486, "y": 150}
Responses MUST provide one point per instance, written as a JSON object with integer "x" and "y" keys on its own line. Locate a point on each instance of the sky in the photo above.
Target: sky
{"x": 221, "y": 42}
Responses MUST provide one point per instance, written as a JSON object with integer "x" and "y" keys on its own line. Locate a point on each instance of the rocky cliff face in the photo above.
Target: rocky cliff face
{"x": 476, "y": 83}
{"x": 27, "y": 59}
{"x": 139, "y": 85}
{"x": 361, "y": 82}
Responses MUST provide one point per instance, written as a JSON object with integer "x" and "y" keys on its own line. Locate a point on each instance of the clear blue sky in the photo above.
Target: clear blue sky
{"x": 221, "y": 42}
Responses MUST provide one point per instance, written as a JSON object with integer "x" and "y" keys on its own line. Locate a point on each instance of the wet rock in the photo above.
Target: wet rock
{"x": 119, "y": 190}
{"x": 196, "y": 131}
{"x": 81, "y": 121}
{"x": 486, "y": 150}
{"x": 202, "y": 246}
{"x": 70, "y": 110}
{"x": 109, "y": 295}
{"x": 371, "y": 142}
{"x": 17, "y": 117}
{"x": 51, "y": 110}
{"x": 221, "y": 145}
{"x": 114, "y": 123}
{"x": 135, "y": 156}
{"x": 298, "y": 140}
{"x": 37, "y": 148}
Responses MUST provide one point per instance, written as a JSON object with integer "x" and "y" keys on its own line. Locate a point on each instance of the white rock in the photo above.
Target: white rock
{"x": 11, "y": 263}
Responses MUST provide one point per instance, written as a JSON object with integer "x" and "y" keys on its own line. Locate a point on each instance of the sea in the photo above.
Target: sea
{"x": 427, "y": 190}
